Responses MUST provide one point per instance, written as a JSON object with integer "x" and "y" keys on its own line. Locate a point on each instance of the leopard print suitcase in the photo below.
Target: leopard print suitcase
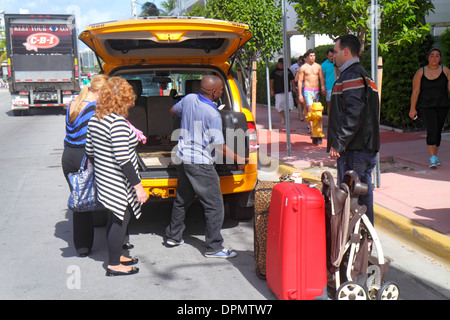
{"x": 263, "y": 193}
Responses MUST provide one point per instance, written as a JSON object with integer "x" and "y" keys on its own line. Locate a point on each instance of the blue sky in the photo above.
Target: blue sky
{"x": 86, "y": 11}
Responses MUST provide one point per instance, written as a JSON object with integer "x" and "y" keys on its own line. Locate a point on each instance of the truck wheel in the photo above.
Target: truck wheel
{"x": 18, "y": 113}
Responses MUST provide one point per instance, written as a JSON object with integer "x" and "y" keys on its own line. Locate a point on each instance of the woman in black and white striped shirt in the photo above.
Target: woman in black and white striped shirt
{"x": 111, "y": 142}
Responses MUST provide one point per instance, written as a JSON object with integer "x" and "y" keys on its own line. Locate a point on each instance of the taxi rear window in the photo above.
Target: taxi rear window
{"x": 165, "y": 83}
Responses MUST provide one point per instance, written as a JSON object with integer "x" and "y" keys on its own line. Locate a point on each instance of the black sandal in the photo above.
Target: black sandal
{"x": 130, "y": 262}
{"x": 113, "y": 273}
{"x": 127, "y": 246}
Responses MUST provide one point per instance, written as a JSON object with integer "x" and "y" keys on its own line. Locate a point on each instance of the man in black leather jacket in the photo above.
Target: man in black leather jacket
{"x": 353, "y": 122}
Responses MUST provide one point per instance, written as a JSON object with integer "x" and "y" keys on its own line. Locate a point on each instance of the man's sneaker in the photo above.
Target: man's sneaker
{"x": 433, "y": 164}
{"x": 224, "y": 254}
{"x": 174, "y": 243}
{"x": 438, "y": 163}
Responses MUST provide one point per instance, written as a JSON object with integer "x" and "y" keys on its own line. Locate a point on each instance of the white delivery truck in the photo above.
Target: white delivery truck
{"x": 42, "y": 59}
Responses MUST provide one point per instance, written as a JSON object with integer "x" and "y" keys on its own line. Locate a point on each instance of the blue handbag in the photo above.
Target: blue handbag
{"x": 83, "y": 196}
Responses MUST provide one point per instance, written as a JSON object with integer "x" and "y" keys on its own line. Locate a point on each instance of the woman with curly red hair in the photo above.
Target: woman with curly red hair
{"x": 112, "y": 144}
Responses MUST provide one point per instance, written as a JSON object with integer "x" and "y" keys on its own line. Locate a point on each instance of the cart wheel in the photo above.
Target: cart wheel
{"x": 352, "y": 291}
{"x": 388, "y": 291}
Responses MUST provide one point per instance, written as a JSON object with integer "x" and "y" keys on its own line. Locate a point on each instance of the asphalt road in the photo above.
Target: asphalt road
{"x": 36, "y": 233}
{"x": 39, "y": 260}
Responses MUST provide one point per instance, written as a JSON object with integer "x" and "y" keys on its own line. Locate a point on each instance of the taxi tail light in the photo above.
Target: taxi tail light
{"x": 253, "y": 137}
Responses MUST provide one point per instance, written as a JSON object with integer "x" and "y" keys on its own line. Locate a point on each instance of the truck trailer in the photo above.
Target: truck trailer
{"x": 42, "y": 60}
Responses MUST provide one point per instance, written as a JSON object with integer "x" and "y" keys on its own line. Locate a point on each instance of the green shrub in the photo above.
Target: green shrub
{"x": 261, "y": 86}
{"x": 321, "y": 52}
{"x": 444, "y": 40}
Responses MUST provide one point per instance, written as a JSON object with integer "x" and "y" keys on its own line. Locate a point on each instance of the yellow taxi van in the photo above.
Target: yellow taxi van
{"x": 164, "y": 59}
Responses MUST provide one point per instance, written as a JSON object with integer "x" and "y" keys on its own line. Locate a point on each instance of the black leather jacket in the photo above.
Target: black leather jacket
{"x": 353, "y": 121}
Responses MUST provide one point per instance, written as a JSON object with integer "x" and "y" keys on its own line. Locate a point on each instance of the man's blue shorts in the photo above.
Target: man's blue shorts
{"x": 311, "y": 95}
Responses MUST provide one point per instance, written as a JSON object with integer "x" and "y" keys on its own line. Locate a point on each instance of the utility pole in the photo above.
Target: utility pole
{"x": 286, "y": 60}
{"x": 374, "y": 60}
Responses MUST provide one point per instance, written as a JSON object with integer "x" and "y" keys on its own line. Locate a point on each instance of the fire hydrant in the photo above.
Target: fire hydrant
{"x": 315, "y": 116}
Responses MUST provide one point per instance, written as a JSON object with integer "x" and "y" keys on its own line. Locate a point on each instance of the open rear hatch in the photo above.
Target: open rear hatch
{"x": 178, "y": 52}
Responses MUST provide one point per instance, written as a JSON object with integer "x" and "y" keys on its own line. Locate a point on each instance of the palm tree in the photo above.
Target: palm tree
{"x": 168, "y": 6}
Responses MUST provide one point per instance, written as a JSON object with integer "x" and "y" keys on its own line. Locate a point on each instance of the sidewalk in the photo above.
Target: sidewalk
{"x": 412, "y": 204}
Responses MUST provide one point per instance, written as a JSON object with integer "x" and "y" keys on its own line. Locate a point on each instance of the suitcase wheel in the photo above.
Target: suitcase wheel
{"x": 352, "y": 291}
{"x": 388, "y": 291}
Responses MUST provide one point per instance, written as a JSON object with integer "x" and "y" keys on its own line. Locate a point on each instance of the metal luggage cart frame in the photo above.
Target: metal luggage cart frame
{"x": 354, "y": 272}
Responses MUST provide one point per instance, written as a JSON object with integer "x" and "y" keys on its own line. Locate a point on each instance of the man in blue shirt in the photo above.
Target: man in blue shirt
{"x": 329, "y": 75}
{"x": 201, "y": 132}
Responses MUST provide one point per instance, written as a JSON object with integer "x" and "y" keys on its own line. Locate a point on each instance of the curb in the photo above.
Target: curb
{"x": 398, "y": 226}
{"x": 413, "y": 233}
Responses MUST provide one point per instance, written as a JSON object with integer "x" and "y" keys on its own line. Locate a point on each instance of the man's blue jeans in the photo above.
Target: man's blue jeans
{"x": 362, "y": 162}
{"x": 201, "y": 180}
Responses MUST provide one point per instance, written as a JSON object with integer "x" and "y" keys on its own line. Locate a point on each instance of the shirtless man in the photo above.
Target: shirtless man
{"x": 310, "y": 73}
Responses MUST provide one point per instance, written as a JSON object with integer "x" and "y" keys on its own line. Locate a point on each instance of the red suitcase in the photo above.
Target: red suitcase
{"x": 296, "y": 243}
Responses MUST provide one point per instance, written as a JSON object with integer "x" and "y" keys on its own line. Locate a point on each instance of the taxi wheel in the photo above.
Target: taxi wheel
{"x": 237, "y": 212}
{"x": 243, "y": 213}
{"x": 235, "y": 209}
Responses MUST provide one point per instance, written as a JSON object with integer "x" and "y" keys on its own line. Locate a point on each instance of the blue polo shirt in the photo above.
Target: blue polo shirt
{"x": 201, "y": 129}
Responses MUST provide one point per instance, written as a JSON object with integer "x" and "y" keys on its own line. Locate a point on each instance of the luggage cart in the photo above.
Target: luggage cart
{"x": 355, "y": 259}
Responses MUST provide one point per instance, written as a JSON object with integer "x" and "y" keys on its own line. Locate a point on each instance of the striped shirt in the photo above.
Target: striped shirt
{"x": 76, "y": 131}
{"x": 112, "y": 143}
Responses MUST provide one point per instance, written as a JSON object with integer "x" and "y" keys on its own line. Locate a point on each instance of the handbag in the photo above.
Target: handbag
{"x": 83, "y": 196}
